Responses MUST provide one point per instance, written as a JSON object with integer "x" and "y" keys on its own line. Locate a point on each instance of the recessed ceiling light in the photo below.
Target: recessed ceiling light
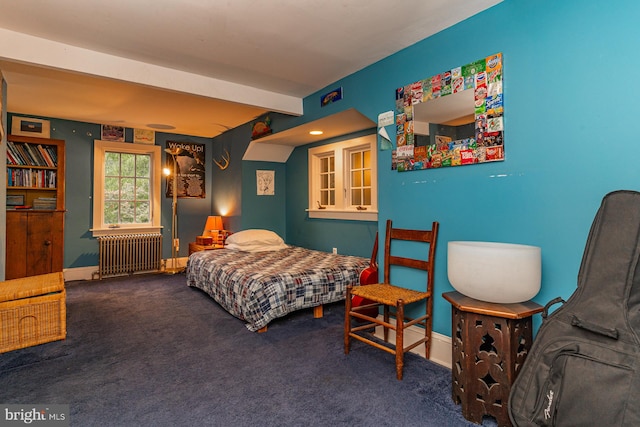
{"x": 315, "y": 132}
{"x": 160, "y": 126}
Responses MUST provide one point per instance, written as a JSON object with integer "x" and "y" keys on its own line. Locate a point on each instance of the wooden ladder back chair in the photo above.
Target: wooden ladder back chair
{"x": 388, "y": 295}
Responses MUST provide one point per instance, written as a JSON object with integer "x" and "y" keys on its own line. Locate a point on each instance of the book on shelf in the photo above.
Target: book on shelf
{"x": 53, "y": 153}
{"x": 36, "y": 159}
{"x": 16, "y": 154}
{"x": 26, "y": 154}
{"x": 45, "y": 155}
{"x": 34, "y": 178}
{"x": 31, "y": 155}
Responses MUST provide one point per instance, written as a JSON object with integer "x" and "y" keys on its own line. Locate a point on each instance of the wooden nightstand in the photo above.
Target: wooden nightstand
{"x": 194, "y": 247}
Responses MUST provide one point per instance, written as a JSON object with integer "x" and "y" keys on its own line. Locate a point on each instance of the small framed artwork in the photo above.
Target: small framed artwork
{"x": 26, "y": 126}
{"x": 112, "y": 133}
{"x": 144, "y": 136}
{"x": 265, "y": 181}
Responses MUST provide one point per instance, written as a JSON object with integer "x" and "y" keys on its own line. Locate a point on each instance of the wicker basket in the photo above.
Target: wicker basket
{"x": 32, "y": 311}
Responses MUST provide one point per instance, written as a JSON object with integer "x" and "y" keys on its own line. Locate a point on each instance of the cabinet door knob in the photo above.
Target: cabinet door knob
{"x": 47, "y": 242}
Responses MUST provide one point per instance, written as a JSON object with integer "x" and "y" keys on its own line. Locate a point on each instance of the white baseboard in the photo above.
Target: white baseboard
{"x": 440, "y": 344}
{"x": 91, "y": 272}
{"x": 79, "y": 273}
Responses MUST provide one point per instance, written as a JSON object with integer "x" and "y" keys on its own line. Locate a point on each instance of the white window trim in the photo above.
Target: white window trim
{"x": 99, "y": 149}
{"x": 341, "y": 152}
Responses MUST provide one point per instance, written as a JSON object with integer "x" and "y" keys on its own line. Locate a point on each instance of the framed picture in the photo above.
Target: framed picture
{"x": 144, "y": 136}
{"x": 265, "y": 182}
{"x": 112, "y": 133}
{"x": 26, "y": 126}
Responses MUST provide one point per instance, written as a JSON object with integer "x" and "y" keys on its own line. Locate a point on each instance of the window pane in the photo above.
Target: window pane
{"x": 127, "y": 212}
{"x": 324, "y": 181}
{"x": 355, "y": 197}
{"x": 356, "y": 160}
{"x": 356, "y": 179}
{"x": 112, "y": 164}
{"x": 332, "y": 164}
{"x": 128, "y": 164}
{"x": 367, "y": 159}
{"x": 143, "y": 212}
{"x": 111, "y": 188}
{"x": 332, "y": 181}
{"x": 143, "y": 165}
{"x": 324, "y": 197}
{"x": 332, "y": 198}
{"x": 143, "y": 190}
{"x": 111, "y": 213}
{"x": 367, "y": 197}
{"x": 367, "y": 177}
{"x": 127, "y": 186}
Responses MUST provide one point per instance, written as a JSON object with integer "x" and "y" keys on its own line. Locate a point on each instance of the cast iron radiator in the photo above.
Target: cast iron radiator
{"x": 124, "y": 254}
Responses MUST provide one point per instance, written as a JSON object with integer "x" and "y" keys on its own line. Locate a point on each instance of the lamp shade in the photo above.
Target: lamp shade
{"x": 213, "y": 223}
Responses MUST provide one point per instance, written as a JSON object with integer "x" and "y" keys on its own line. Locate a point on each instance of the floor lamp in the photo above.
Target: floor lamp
{"x": 175, "y": 242}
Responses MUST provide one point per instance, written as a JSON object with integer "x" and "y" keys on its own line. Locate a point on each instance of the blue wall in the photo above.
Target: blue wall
{"x": 570, "y": 98}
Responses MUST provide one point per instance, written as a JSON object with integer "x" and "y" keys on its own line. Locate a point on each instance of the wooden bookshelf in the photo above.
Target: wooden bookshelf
{"x": 32, "y": 174}
{"x": 35, "y": 229}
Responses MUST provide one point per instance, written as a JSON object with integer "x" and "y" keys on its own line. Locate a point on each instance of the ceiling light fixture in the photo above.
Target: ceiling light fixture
{"x": 160, "y": 126}
{"x": 315, "y": 132}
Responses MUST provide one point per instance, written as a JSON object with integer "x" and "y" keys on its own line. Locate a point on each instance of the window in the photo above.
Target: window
{"x": 328, "y": 180}
{"x": 126, "y": 184}
{"x": 343, "y": 180}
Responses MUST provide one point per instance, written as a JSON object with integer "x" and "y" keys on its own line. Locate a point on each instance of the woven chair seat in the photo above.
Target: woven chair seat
{"x": 388, "y": 294}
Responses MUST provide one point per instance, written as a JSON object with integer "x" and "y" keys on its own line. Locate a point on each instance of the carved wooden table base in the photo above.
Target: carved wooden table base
{"x": 490, "y": 343}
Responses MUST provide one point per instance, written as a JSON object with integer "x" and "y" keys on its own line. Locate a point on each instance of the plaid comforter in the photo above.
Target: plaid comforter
{"x": 258, "y": 287}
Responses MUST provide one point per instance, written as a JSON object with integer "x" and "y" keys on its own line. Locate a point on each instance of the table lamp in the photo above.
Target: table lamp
{"x": 214, "y": 228}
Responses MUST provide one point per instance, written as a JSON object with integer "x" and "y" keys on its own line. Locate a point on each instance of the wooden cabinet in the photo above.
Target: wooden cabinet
{"x": 35, "y": 229}
{"x": 35, "y": 243}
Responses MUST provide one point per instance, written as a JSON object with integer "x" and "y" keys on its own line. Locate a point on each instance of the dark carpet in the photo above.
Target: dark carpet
{"x": 150, "y": 351}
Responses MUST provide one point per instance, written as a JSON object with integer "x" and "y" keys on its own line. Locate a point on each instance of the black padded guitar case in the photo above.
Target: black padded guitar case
{"x": 583, "y": 368}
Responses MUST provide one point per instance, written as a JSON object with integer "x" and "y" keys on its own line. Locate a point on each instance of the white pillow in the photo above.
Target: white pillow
{"x": 255, "y": 240}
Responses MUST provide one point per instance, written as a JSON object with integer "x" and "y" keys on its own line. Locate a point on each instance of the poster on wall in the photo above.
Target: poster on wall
{"x": 190, "y": 163}
{"x": 454, "y": 118}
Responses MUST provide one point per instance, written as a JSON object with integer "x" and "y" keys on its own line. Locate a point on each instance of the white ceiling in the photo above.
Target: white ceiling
{"x": 202, "y": 66}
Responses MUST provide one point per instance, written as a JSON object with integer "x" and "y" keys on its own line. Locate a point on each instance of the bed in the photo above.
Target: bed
{"x": 258, "y": 285}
